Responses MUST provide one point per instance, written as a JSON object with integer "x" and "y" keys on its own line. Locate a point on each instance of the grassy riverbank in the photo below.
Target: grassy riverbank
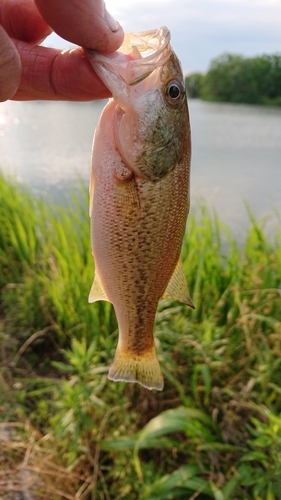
{"x": 68, "y": 433}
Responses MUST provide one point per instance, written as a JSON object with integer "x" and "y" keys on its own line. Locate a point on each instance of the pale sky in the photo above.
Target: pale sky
{"x": 203, "y": 29}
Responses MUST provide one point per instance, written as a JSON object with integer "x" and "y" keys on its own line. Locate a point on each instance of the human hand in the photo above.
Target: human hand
{"x": 29, "y": 71}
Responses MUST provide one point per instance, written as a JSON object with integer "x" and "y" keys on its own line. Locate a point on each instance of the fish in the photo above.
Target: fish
{"x": 139, "y": 195}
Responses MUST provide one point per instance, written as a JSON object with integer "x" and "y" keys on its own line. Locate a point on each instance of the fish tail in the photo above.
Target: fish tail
{"x": 144, "y": 369}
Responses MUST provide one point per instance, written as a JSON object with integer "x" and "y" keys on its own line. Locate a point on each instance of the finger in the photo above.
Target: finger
{"x": 10, "y": 67}
{"x": 22, "y": 20}
{"x": 54, "y": 75}
{"x": 83, "y": 22}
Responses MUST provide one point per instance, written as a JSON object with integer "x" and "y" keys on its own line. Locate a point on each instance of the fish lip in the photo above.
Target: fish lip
{"x": 122, "y": 69}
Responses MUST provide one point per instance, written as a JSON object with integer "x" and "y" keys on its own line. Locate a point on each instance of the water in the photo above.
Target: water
{"x": 48, "y": 144}
{"x": 236, "y": 156}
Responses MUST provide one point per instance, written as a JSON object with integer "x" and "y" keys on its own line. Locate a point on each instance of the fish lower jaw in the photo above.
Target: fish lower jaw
{"x": 143, "y": 369}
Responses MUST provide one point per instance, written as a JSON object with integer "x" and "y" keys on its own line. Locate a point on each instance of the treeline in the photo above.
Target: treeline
{"x": 234, "y": 78}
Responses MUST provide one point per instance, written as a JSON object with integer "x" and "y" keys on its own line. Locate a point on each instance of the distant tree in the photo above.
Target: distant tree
{"x": 267, "y": 72}
{"x": 233, "y": 78}
{"x": 194, "y": 84}
{"x": 230, "y": 79}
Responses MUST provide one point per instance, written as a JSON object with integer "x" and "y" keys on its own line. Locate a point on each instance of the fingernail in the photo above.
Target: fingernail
{"x": 113, "y": 25}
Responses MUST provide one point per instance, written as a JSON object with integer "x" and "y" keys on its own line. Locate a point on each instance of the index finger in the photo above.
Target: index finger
{"x": 52, "y": 74}
{"x": 10, "y": 66}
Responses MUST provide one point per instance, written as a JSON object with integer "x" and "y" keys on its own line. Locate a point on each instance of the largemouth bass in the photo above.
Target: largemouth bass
{"x": 139, "y": 195}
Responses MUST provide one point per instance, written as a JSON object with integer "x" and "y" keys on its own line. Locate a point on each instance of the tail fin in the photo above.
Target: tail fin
{"x": 143, "y": 369}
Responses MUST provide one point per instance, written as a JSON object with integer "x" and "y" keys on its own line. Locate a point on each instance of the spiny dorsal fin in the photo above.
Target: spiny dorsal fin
{"x": 177, "y": 287}
{"x": 97, "y": 291}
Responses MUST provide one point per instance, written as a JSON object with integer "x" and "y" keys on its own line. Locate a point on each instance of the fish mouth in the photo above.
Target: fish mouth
{"x": 137, "y": 58}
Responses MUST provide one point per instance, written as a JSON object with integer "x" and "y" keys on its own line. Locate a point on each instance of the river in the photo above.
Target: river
{"x": 236, "y": 152}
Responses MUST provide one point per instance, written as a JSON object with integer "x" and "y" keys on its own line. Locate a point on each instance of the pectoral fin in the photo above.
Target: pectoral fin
{"x": 97, "y": 291}
{"x": 177, "y": 288}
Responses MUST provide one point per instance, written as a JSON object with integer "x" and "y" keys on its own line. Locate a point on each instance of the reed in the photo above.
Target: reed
{"x": 214, "y": 432}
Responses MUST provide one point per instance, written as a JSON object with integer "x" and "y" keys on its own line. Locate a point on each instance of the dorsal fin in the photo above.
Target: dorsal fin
{"x": 177, "y": 287}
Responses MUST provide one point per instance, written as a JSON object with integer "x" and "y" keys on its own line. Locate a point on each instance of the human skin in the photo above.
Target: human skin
{"x": 30, "y": 71}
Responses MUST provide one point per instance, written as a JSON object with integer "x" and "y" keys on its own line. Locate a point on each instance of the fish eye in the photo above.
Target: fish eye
{"x": 174, "y": 91}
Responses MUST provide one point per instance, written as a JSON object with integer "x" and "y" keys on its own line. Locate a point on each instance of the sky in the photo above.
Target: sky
{"x": 203, "y": 29}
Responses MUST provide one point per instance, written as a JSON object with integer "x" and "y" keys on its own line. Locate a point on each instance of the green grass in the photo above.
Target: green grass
{"x": 215, "y": 430}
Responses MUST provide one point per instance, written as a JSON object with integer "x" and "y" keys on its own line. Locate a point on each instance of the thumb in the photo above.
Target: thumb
{"x": 83, "y": 22}
{"x": 10, "y": 67}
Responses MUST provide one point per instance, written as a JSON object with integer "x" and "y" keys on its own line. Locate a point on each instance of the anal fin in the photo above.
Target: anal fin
{"x": 177, "y": 288}
{"x": 97, "y": 291}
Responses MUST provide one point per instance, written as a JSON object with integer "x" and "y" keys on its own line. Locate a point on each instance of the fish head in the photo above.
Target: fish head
{"x": 151, "y": 125}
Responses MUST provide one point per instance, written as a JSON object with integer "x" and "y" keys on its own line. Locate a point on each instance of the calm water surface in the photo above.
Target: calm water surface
{"x": 236, "y": 156}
